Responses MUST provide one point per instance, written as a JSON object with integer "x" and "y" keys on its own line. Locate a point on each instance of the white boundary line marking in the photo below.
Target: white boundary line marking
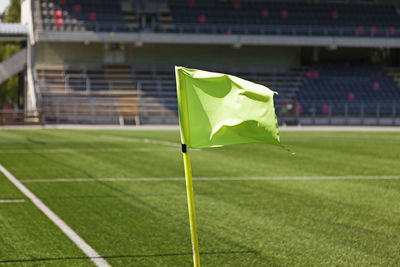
{"x": 88, "y": 150}
{"x": 86, "y": 248}
{"x": 141, "y": 140}
{"x": 160, "y": 179}
{"x": 176, "y": 127}
{"x": 12, "y": 200}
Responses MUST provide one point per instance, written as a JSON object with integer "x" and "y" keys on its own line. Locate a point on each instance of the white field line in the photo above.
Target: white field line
{"x": 142, "y": 140}
{"x": 86, "y": 248}
{"x": 176, "y": 128}
{"x": 323, "y": 128}
{"x": 158, "y": 179}
{"x": 108, "y": 127}
{"x": 87, "y": 150}
{"x": 170, "y": 146}
{"x": 12, "y": 200}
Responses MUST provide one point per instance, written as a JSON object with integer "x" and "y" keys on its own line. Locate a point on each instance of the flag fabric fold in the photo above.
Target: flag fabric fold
{"x": 218, "y": 109}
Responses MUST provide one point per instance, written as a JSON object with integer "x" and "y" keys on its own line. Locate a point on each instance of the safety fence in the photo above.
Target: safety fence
{"x": 19, "y": 117}
{"x": 292, "y": 30}
{"x": 347, "y": 113}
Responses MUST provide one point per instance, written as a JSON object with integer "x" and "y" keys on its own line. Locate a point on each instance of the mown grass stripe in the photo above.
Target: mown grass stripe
{"x": 160, "y": 179}
{"x": 12, "y": 200}
{"x": 142, "y": 140}
{"x": 86, "y": 248}
{"x": 87, "y": 150}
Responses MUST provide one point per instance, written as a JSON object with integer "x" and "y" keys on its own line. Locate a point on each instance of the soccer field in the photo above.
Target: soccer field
{"x": 335, "y": 202}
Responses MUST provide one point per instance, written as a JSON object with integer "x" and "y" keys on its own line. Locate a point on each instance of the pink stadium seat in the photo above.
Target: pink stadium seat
{"x": 376, "y": 86}
{"x": 360, "y": 30}
{"x": 202, "y": 19}
{"x": 314, "y": 74}
{"x": 191, "y": 3}
{"x": 57, "y": 14}
{"x": 373, "y": 30}
{"x": 392, "y": 30}
{"x": 265, "y": 12}
{"x": 284, "y": 13}
{"x": 335, "y": 14}
{"x": 59, "y": 23}
{"x": 351, "y": 96}
{"x": 325, "y": 109}
{"x": 77, "y": 8}
{"x": 92, "y": 16}
{"x": 299, "y": 109}
{"x": 236, "y": 4}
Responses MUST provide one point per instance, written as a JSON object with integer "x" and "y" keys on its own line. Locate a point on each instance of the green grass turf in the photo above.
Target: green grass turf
{"x": 28, "y": 238}
{"x": 240, "y": 223}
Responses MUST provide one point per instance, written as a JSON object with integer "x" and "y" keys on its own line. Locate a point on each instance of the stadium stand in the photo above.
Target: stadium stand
{"x": 75, "y": 15}
{"x": 103, "y": 61}
{"x": 223, "y": 17}
{"x": 335, "y": 89}
{"x": 285, "y": 18}
{"x": 284, "y": 13}
{"x": 394, "y": 73}
{"x": 70, "y": 91}
{"x": 333, "y": 82}
{"x": 74, "y": 95}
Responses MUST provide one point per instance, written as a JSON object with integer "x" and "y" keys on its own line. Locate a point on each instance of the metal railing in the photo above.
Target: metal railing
{"x": 78, "y": 80}
{"x": 92, "y": 84}
{"x": 294, "y": 30}
{"x": 83, "y": 83}
{"x": 112, "y": 110}
{"x": 20, "y": 117}
{"x": 149, "y": 110}
{"x": 347, "y": 113}
{"x": 82, "y": 26}
{"x": 155, "y": 102}
{"x": 258, "y": 29}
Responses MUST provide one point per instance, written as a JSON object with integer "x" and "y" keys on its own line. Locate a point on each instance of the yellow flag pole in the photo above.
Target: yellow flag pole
{"x": 190, "y": 200}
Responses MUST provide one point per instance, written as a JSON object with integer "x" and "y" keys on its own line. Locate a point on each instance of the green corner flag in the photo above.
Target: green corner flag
{"x": 216, "y": 110}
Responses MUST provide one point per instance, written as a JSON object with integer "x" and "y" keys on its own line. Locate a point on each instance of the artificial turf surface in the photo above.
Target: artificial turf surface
{"x": 349, "y": 222}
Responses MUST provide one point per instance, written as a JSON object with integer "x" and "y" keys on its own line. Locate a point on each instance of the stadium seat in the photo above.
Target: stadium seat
{"x": 265, "y": 12}
{"x": 77, "y": 8}
{"x": 92, "y": 16}
{"x": 202, "y": 19}
{"x": 191, "y": 3}
{"x": 59, "y": 23}
{"x": 346, "y": 83}
{"x": 236, "y": 5}
{"x": 244, "y": 16}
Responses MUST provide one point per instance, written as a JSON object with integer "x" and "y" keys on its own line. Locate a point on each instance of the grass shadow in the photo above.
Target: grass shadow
{"x": 126, "y": 256}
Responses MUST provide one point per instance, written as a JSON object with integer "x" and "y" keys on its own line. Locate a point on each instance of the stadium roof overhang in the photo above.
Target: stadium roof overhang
{"x": 213, "y": 39}
{"x": 13, "y": 32}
